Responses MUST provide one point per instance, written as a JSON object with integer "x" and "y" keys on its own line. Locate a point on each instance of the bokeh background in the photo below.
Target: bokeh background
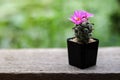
{"x": 45, "y": 24}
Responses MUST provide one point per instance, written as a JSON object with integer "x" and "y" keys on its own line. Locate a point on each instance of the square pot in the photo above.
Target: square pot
{"x": 82, "y": 55}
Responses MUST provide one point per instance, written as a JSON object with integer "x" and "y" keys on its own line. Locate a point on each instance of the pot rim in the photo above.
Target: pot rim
{"x": 96, "y": 40}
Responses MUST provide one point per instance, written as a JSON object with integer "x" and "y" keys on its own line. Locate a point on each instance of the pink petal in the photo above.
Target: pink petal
{"x": 76, "y": 13}
{"x": 72, "y": 20}
{"x": 86, "y": 14}
{"x": 79, "y": 22}
{"x": 84, "y": 20}
{"x": 89, "y": 15}
{"x": 82, "y": 13}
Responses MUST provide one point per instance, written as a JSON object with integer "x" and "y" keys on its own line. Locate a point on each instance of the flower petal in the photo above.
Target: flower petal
{"x": 72, "y": 20}
{"x": 84, "y": 20}
{"x": 76, "y": 13}
{"x": 89, "y": 15}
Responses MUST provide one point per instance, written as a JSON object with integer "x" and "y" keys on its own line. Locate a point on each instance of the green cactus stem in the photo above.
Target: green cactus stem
{"x": 83, "y": 32}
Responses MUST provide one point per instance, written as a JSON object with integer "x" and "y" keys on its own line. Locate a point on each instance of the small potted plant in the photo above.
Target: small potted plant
{"x": 82, "y": 48}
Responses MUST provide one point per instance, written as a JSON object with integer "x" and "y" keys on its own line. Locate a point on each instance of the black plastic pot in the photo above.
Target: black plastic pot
{"x": 82, "y": 55}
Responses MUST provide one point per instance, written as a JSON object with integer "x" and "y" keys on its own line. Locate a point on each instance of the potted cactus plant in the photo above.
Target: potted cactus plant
{"x": 82, "y": 48}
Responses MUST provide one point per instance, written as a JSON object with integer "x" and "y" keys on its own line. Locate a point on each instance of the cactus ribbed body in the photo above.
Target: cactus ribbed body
{"x": 83, "y": 32}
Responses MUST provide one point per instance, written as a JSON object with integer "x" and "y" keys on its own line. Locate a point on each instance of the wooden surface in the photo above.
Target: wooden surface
{"x": 14, "y": 62}
{"x": 55, "y": 61}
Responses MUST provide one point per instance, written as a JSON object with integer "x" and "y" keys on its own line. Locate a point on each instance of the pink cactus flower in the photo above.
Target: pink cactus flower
{"x": 80, "y": 16}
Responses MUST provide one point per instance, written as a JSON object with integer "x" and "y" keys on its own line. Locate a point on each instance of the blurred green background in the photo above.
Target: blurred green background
{"x": 45, "y": 24}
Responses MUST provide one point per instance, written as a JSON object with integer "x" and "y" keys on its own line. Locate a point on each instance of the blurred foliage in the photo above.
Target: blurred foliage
{"x": 44, "y": 23}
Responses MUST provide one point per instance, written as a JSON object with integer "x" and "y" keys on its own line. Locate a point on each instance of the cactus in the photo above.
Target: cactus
{"x": 83, "y": 32}
{"x": 83, "y": 28}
